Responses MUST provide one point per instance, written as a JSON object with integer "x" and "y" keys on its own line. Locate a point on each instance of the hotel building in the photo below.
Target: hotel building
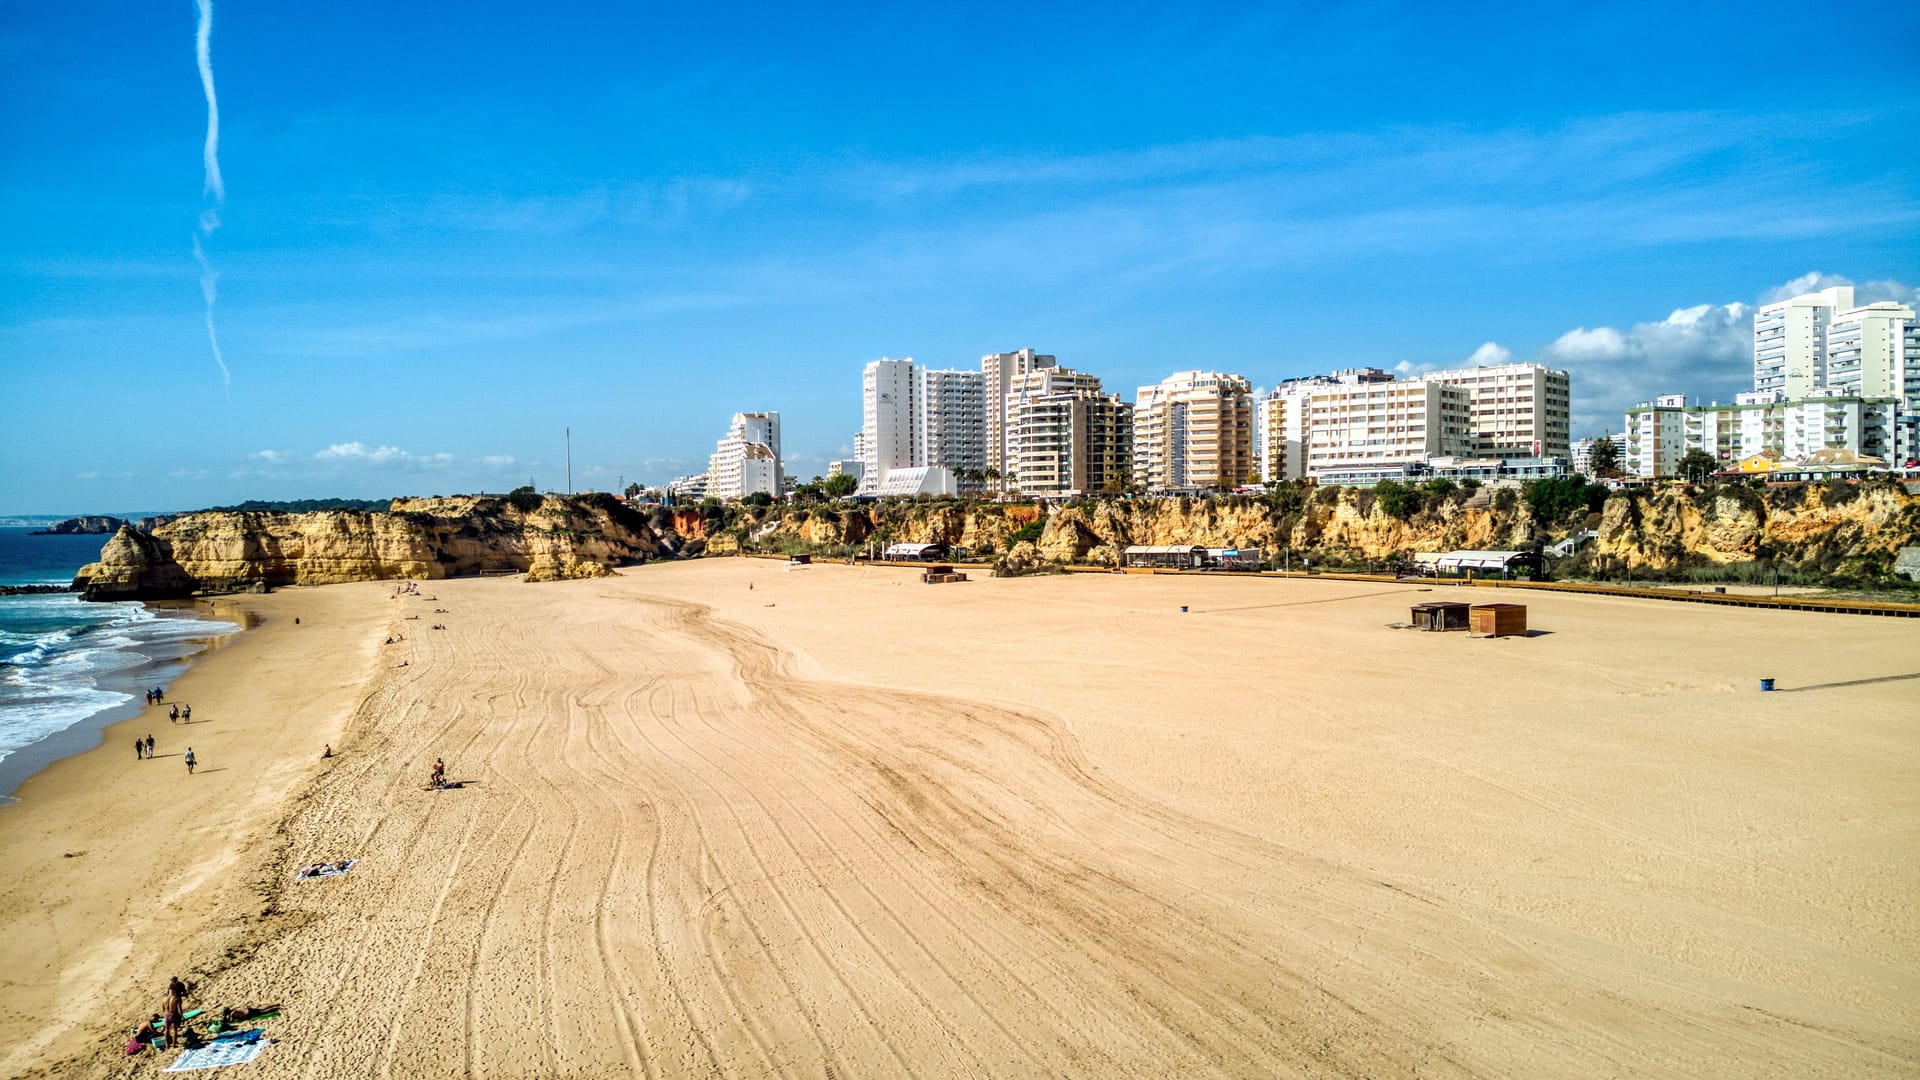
{"x": 1065, "y": 437}
{"x": 747, "y": 459}
{"x": 999, "y": 372}
{"x": 1194, "y": 430}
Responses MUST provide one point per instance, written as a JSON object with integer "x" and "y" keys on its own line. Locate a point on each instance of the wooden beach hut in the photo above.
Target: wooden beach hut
{"x": 1440, "y": 615}
{"x": 1500, "y": 620}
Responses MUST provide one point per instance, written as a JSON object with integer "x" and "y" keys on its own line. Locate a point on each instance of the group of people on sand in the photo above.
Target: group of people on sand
{"x": 169, "y": 1026}
{"x": 156, "y": 695}
{"x": 143, "y": 748}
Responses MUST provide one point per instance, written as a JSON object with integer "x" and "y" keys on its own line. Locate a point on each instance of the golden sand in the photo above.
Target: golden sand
{"x": 845, "y": 824}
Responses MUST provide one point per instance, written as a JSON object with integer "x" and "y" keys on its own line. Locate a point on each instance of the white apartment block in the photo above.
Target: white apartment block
{"x": 1790, "y": 342}
{"x": 1194, "y": 430}
{"x": 1661, "y": 432}
{"x": 1068, "y": 441}
{"x": 1282, "y": 419}
{"x": 1655, "y": 437}
{"x": 688, "y": 487}
{"x": 1517, "y": 410}
{"x": 1583, "y": 456}
{"x": 999, "y": 372}
{"x": 747, "y": 459}
{"x": 1359, "y": 425}
{"x": 950, "y": 419}
{"x": 886, "y": 408}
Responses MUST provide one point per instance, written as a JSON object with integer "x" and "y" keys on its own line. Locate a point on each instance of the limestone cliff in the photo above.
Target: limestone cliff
{"x": 1854, "y": 530}
{"x": 417, "y": 538}
{"x": 1840, "y": 530}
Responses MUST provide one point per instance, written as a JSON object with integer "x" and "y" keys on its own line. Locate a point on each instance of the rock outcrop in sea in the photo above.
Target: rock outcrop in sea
{"x": 85, "y": 525}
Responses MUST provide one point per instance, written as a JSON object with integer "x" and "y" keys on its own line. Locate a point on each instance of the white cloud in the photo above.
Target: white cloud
{"x": 1865, "y": 292}
{"x": 273, "y": 457}
{"x": 382, "y": 455}
{"x": 497, "y": 461}
{"x": 1704, "y": 351}
{"x": 1490, "y": 354}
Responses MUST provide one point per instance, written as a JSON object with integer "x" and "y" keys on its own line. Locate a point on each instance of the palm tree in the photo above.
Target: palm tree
{"x": 991, "y": 475}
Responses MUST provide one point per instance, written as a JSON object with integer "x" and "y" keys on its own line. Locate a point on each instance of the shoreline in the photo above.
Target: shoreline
{"x": 90, "y": 732}
{"x": 121, "y": 869}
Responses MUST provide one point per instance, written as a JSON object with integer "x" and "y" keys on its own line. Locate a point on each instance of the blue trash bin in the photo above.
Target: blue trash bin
{"x": 1766, "y": 685}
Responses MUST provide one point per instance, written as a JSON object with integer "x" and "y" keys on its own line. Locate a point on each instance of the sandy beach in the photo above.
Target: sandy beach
{"x": 722, "y": 819}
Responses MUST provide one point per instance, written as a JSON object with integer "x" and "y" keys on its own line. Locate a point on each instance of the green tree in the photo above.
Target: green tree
{"x": 1606, "y": 458}
{"x": 633, "y": 491}
{"x": 525, "y": 499}
{"x": 1557, "y": 497}
{"x": 1696, "y": 465}
{"x": 759, "y": 500}
{"x": 1398, "y": 500}
{"x": 839, "y": 485}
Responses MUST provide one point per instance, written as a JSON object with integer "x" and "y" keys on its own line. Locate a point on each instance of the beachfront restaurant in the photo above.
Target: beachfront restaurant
{"x": 1233, "y": 558}
{"x": 911, "y": 552}
{"x": 1167, "y": 556}
{"x": 1483, "y": 563}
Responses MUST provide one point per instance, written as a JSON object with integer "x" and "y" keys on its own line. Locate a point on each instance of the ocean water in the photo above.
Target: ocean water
{"x": 70, "y": 668}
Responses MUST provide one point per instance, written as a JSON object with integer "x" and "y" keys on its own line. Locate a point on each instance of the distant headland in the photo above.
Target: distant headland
{"x": 87, "y": 525}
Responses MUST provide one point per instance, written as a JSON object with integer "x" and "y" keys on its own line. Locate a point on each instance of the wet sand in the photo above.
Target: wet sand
{"x": 847, "y": 824}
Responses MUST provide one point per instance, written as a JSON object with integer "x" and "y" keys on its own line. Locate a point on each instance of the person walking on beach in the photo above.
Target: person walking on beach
{"x": 190, "y": 761}
{"x": 139, "y": 749}
{"x": 149, "y": 697}
{"x": 186, "y": 715}
{"x": 149, "y": 746}
{"x": 173, "y": 714}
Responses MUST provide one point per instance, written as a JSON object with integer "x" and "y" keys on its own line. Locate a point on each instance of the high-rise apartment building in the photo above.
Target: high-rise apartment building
{"x": 747, "y": 459}
{"x": 886, "y": 399}
{"x": 1351, "y": 427}
{"x": 1282, "y": 420}
{"x": 1194, "y": 430}
{"x": 950, "y": 419}
{"x": 1517, "y": 410}
{"x": 1790, "y": 341}
{"x": 1064, "y": 436}
{"x": 999, "y": 370}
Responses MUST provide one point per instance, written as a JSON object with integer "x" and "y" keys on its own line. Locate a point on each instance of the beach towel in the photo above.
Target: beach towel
{"x": 161, "y": 1025}
{"x": 231, "y": 1048}
{"x": 327, "y": 870}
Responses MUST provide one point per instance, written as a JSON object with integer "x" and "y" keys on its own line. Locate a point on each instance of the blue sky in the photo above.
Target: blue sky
{"x": 446, "y": 239}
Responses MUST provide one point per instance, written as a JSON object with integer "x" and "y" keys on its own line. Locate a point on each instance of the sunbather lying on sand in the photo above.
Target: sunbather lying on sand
{"x": 231, "y": 1015}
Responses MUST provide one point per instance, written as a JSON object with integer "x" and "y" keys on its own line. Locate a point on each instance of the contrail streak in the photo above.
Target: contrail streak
{"x": 210, "y": 288}
{"x": 210, "y": 217}
{"x": 202, "y": 51}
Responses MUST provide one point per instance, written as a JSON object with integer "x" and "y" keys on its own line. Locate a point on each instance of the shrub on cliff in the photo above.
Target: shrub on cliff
{"x": 525, "y": 499}
{"x": 1399, "y": 500}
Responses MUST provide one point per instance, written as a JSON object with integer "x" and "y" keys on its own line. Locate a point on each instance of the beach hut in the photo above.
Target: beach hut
{"x": 1440, "y": 615}
{"x": 1167, "y": 556}
{"x": 910, "y": 552}
{"x": 1500, "y": 620}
